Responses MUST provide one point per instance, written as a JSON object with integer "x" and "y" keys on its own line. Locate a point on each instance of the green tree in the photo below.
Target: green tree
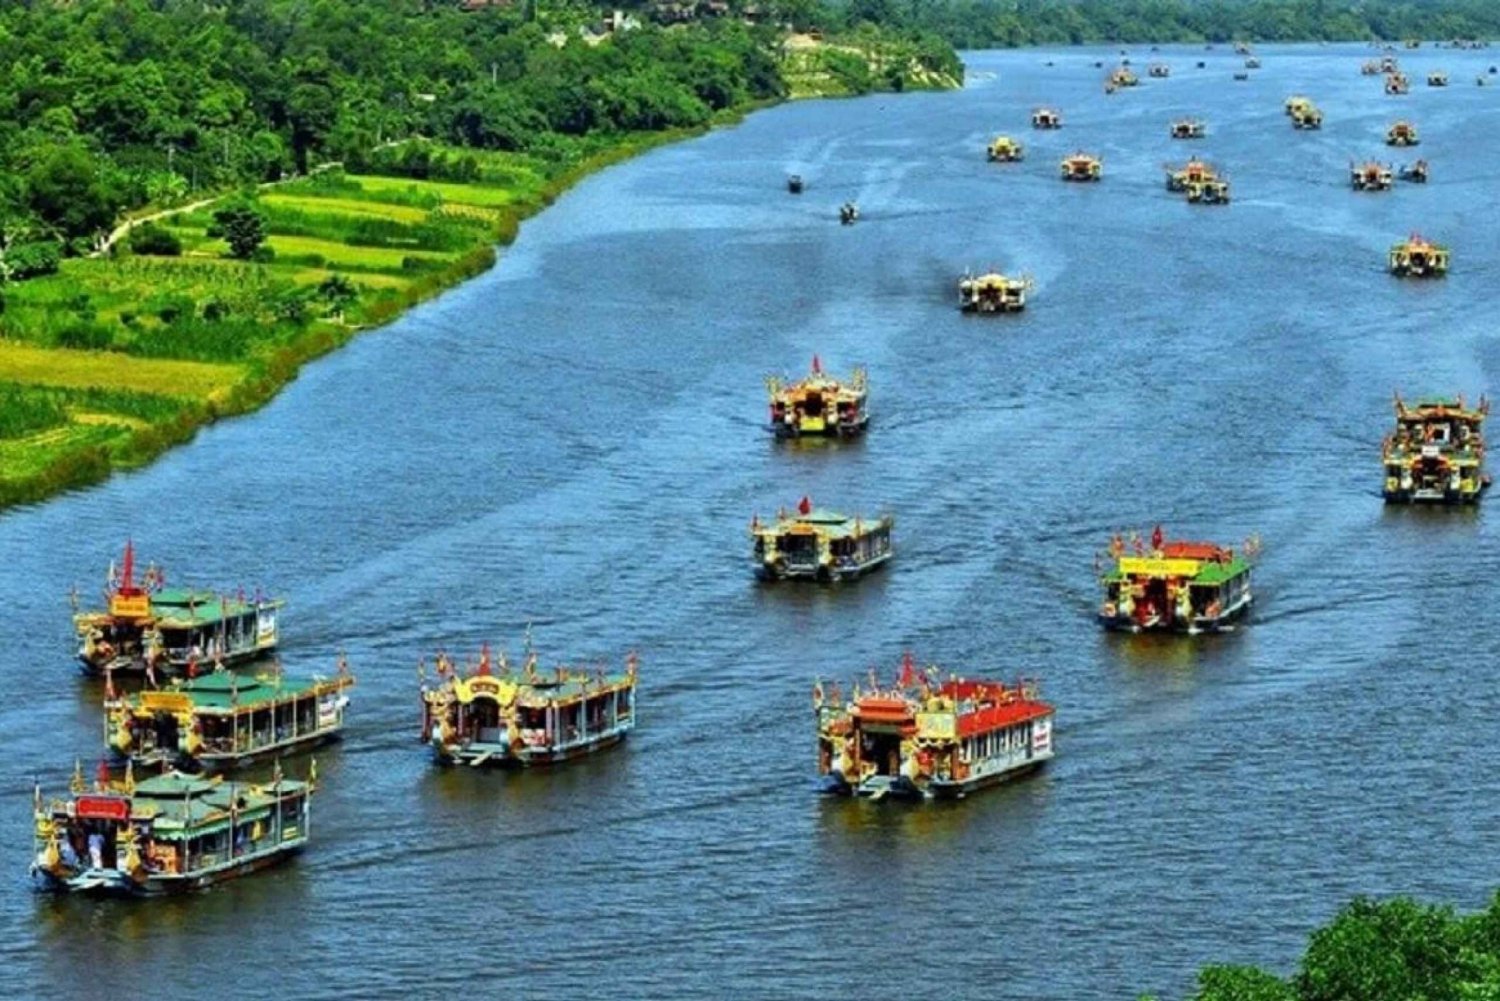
{"x": 243, "y": 227}
{"x": 68, "y": 189}
{"x": 338, "y": 294}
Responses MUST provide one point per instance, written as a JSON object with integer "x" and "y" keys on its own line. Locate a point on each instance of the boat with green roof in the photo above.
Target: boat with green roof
{"x": 225, "y": 719}
{"x": 169, "y": 833}
{"x": 488, "y": 714}
{"x": 820, "y": 544}
{"x": 1175, "y": 586}
{"x": 1436, "y": 454}
{"x": 147, "y": 627}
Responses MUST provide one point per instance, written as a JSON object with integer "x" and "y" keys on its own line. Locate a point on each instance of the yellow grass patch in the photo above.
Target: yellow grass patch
{"x": 461, "y": 194}
{"x": 347, "y": 206}
{"x": 106, "y": 370}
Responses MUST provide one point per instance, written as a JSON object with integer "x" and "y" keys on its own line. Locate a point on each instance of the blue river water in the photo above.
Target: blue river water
{"x": 573, "y": 440}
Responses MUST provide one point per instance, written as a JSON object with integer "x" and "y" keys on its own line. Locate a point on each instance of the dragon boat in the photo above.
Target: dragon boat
{"x": 1252, "y": 63}
{"x": 169, "y": 833}
{"x": 1371, "y": 67}
{"x": 1416, "y": 173}
{"x": 926, "y": 737}
{"x": 819, "y": 405}
{"x": 1123, "y": 76}
{"x": 1402, "y": 133}
{"x": 1188, "y": 128}
{"x": 1296, "y": 102}
{"x": 1046, "y": 118}
{"x": 1397, "y": 83}
{"x": 848, "y": 213}
{"x": 484, "y": 714}
{"x": 819, "y": 544}
{"x": 1436, "y": 454}
{"x": 1004, "y": 149}
{"x": 1307, "y": 116}
{"x": 1195, "y": 171}
{"x": 1082, "y": 167}
{"x": 1417, "y": 257}
{"x": 1176, "y": 586}
{"x": 148, "y": 627}
{"x": 1213, "y": 191}
{"x": 993, "y": 292}
{"x": 1437, "y": 78}
{"x": 224, "y": 719}
{"x": 1159, "y": 71}
{"x": 1370, "y": 176}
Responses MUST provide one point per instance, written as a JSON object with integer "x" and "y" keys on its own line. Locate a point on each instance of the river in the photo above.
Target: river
{"x": 574, "y": 441}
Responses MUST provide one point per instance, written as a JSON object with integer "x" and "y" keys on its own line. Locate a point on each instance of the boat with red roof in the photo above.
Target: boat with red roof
{"x": 924, "y": 737}
{"x": 1175, "y": 585}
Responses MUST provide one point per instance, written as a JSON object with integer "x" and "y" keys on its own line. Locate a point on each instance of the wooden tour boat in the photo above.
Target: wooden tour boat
{"x": 1188, "y": 128}
{"x": 1188, "y": 587}
{"x": 1004, "y": 149}
{"x": 993, "y": 292}
{"x": 167, "y": 833}
{"x": 1371, "y": 67}
{"x": 1296, "y": 102}
{"x": 1213, "y": 191}
{"x": 1402, "y": 133}
{"x": 1046, "y": 118}
{"x": 149, "y": 627}
{"x": 1370, "y": 176}
{"x": 794, "y": 184}
{"x": 1123, "y": 76}
{"x": 1436, "y": 454}
{"x": 819, "y": 405}
{"x": 924, "y": 737}
{"x": 1396, "y": 83}
{"x": 819, "y": 544}
{"x": 1418, "y": 258}
{"x": 1242, "y": 75}
{"x": 1252, "y": 63}
{"x": 1307, "y": 116}
{"x": 1195, "y": 171}
{"x": 1437, "y": 78}
{"x": 224, "y": 719}
{"x": 848, "y": 213}
{"x": 1082, "y": 167}
{"x": 482, "y": 714}
{"x": 1159, "y": 70}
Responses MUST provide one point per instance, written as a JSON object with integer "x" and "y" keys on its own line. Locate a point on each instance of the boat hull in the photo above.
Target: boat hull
{"x": 170, "y": 666}
{"x": 113, "y": 883}
{"x": 497, "y": 756}
{"x": 830, "y": 429}
{"x": 213, "y": 763}
{"x": 1171, "y": 624}
{"x": 899, "y": 787}
{"x": 1453, "y": 498}
{"x": 820, "y": 572}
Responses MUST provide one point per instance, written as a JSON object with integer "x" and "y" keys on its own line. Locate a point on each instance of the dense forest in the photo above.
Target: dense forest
{"x": 977, "y": 24}
{"x": 110, "y": 104}
{"x": 1397, "y": 950}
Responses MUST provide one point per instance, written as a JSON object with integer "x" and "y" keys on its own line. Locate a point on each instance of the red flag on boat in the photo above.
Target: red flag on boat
{"x": 817, "y": 364}
{"x": 484, "y": 659}
{"x": 128, "y": 571}
{"x": 102, "y": 776}
{"x": 804, "y": 506}
{"x": 192, "y": 666}
{"x": 1157, "y": 538}
{"x": 908, "y": 671}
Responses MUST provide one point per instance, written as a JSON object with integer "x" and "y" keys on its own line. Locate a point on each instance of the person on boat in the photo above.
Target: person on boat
{"x": 96, "y": 850}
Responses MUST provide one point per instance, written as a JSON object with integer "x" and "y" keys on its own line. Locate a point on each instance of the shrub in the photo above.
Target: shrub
{"x": 155, "y": 241}
{"x": 85, "y": 337}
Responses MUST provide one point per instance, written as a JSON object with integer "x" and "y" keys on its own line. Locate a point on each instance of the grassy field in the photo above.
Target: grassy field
{"x": 113, "y": 359}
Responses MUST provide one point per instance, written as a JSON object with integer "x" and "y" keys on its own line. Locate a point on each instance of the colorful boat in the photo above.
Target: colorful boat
{"x": 1004, "y": 149}
{"x": 224, "y": 719}
{"x": 819, "y": 405}
{"x": 1046, "y": 118}
{"x": 1397, "y": 83}
{"x": 1436, "y": 454}
{"x": 993, "y": 293}
{"x": 1371, "y": 67}
{"x": 1402, "y": 133}
{"x": 1307, "y": 116}
{"x": 1195, "y": 171}
{"x": 484, "y": 715}
{"x": 148, "y": 627}
{"x": 1295, "y": 103}
{"x": 848, "y": 213}
{"x": 818, "y": 544}
{"x": 166, "y": 834}
{"x": 1418, "y": 258}
{"x": 1370, "y": 176}
{"x": 1189, "y": 587}
{"x": 1214, "y": 191}
{"x": 1252, "y": 63}
{"x": 925, "y": 737}
{"x": 1437, "y": 78}
{"x": 1123, "y": 76}
{"x": 1188, "y": 128}
{"x": 1159, "y": 70}
{"x": 1082, "y": 167}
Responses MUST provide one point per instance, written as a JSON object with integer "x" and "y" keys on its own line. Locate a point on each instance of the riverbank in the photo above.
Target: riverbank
{"x": 115, "y": 359}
